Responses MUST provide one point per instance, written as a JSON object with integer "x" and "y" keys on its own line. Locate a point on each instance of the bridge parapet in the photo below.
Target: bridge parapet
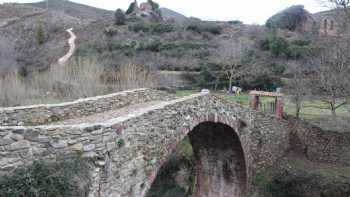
{"x": 20, "y": 145}
{"x": 45, "y": 114}
{"x": 129, "y": 149}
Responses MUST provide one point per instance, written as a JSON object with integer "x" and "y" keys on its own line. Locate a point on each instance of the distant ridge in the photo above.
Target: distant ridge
{"x": 171, "y": 14}
{"x": 76, "y": 10}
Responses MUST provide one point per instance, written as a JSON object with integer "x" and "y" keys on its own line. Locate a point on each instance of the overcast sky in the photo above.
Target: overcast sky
{"x": 249, "y": 11}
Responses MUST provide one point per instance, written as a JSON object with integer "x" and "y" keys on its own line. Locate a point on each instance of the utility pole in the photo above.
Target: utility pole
{"x": 47, "y": 5}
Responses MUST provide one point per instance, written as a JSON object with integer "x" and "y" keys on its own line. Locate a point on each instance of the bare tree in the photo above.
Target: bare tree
{"x": 341, "y": 6}
{"x": 231, "y": 56}
{"x": 298, "y": 85}
{"x": 331, "y": 72}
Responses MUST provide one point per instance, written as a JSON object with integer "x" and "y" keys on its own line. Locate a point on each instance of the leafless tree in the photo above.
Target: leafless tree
{"x": 231, "y": 56}
{"x": 298, "y": 85}
{"x": 341, "y": 6}
{"x": 331, "y": 72}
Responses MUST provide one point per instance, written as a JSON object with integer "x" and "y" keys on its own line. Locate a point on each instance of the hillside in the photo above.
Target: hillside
{"x": 171, "y": 14}
{"x": 21, "y": 51}
{"x": 83, "y": 12}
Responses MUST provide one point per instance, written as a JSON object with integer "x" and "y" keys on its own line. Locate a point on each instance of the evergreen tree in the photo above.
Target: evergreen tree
{"x": 40, "y": 34}
{"x": 120, "y": 17}
{"x": 131, "y": 8}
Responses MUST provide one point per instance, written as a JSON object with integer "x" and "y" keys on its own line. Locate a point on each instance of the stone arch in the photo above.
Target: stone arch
{"x": 220, "y": 163}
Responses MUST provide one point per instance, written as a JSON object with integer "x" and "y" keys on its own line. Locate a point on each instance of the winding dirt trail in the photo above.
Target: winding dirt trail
{"x": 72, "y": 47}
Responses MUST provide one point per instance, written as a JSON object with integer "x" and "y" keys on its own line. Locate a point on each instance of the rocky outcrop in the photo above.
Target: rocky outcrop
{"x": 148, "y": 11}
{"x": 294, "y": 18}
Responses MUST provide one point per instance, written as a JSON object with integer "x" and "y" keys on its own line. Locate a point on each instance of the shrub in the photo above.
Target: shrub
{"x": 154, "y": 28}
{"x": 154, "y": 46}
{"x": 119, "y": 17}
{"x": 110, "y": 31}
{"x": 204, "y": 27}
{"x": 278, "y": 69}
{"x": 302, "y": 183}
{"x": 278, "y": 46}
{"x": 40, "y": 34}
{"x": 235, "y": 22}
{"x": 139, "y": 27}
{"x": 42, "y": 179}
{"x": 161, "y": 28}
{"x": 288, "y": 185}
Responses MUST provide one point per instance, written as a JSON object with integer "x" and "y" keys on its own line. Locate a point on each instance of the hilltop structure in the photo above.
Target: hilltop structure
{"x": 148, "y": 10}
{"x": 297, "y": 19}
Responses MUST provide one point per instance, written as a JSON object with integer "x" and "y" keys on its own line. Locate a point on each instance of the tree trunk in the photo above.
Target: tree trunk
{"x": 297, "y": 112}
{"x": 230, "y": 86}
{"x": 297, "y": 108}
{"x": 333, "y": 110}
{"x": 216, "y": 85}
{"x": 334, "y": 115}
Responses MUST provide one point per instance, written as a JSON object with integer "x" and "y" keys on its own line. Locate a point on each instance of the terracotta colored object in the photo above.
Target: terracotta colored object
{"x": 255, "y": 98}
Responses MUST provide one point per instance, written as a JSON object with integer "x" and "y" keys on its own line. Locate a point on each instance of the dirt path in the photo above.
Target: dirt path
{"x": 72, "y": 47}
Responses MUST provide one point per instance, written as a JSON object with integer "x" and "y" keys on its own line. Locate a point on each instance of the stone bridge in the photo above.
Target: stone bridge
{"x": 131, "y": 134}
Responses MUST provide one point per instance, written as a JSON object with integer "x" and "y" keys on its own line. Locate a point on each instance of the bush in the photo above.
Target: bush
{"x": 40, "y": 34}
{"x": 204, "y": 27}
{"x": 301, "y": 183}
{"x": 154, "y": 28}
{"x": 110, "y": 31}
{"x": 161, "y": 28}
{"x": 154, "y": 46}
{"x": 42, "y": 179}
{"x": 139, "y": 27}
{"x": 235, "y": 22}
{"x": 278, "y": 46}
{"x": 288, "y": 185}
{"x": 119, "y": 17}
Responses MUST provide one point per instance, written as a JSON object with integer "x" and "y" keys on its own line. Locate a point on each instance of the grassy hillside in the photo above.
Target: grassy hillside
{"x": 80, "y": 11}
{"x": 21, "y": 51}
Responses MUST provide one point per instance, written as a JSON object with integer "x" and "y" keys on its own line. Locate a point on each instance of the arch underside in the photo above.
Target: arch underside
{"x": 219, "y": 159}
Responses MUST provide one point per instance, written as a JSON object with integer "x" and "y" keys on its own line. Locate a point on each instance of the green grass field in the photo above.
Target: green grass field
{"x": 314, "y": 111}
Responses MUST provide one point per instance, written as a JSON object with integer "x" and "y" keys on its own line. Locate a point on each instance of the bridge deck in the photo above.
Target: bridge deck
{"x": 108, "y": 115}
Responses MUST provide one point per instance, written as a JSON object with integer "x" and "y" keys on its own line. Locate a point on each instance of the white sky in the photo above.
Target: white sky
{"x": 248, "y": 11}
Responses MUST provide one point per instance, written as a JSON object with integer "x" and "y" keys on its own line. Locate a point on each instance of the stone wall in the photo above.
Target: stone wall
{"x": 320, "y": 145}
{"x": 129, "y": 151}
{"x": 45, "y": 114}
{"x": 150, "y": 140}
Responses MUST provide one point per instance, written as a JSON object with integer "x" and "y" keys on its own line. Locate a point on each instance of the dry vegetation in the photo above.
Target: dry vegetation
{"x": 77, "y": 79}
